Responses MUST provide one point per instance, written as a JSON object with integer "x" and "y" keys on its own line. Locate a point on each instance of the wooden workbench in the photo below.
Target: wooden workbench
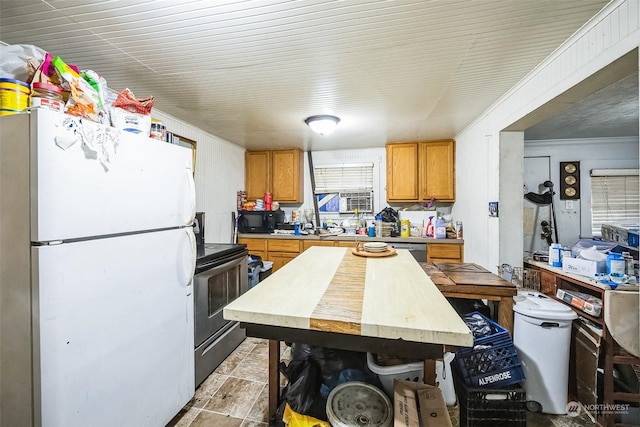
{"x": 327, "y": 296}
{"x": 471, "y": 281}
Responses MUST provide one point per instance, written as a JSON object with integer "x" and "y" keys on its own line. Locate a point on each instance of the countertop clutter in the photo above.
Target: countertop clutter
{"x": 350, "y": 238}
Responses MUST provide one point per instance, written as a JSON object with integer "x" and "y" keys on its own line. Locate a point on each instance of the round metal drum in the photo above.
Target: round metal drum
{"x": 357, "y": 404}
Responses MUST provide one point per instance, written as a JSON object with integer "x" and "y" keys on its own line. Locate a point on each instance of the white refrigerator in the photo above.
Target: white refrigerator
{"x": 97, "y": 256}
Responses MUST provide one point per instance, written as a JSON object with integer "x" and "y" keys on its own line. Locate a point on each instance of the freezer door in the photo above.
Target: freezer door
{"x": 114, "y": 337}
{"x": 129, "y": 183}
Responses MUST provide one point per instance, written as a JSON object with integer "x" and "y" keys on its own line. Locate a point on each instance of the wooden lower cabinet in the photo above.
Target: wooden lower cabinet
{"x": 280, "y": 259}
{"x": 306, "y": 244}
{"x": 445, "y": 252}
{"x": 256, "y": 247}
{"x": 281, "y": 251}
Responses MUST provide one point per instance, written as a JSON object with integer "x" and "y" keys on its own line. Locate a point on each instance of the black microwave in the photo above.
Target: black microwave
{"x": 259, "y": 221}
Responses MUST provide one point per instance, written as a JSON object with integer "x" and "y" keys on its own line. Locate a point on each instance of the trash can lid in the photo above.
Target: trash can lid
{"x": 540, "y": 306}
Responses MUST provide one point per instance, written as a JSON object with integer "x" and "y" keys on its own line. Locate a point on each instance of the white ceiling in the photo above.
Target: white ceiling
{"x": 252, "y": 71}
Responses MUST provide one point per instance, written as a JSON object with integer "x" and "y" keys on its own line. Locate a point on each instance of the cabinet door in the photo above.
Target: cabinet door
{"x": 279, "y": 259}
{"x": 257, "y": 165}
{"x": 286, "y": 176}
{"x": 402, "y": 172}
{"x": 437, "y": 173}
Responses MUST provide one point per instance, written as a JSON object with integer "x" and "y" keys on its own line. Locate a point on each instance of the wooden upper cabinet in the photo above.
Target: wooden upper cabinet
{"x": 437, "y": 173}
{"x": 286, "y": 176}
{"x": 257, "y": 167}
{"x": 277, "y": 171}
{"x": 418, "y": 171}
{"x": 402, "y": 172}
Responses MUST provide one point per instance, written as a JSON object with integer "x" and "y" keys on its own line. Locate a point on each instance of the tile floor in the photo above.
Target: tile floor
{"x": 235, "y": 394}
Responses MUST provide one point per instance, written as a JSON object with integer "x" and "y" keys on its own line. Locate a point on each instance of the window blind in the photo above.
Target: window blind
{"x": 615, "y": 198}
{"x": 341, "y": 178}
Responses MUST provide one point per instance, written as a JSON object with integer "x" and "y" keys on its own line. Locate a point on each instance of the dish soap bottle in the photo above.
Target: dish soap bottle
{"x": 441, "y": 229}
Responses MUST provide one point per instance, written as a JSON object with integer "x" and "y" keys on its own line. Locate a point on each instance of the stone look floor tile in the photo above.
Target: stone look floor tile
{"x": 250, "y": 423}
{"x": 235, "y": 397}
{"x": 255, "y": 367}
{"x": 212, "y": 419}
{"x": 207, "y": 389}
{"x": 259, "y": 410}
{"x": 232, "y": 397}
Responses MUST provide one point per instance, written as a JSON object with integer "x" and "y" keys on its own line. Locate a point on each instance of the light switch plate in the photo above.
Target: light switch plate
{"x": 493, "y": 209}
{"x": 568, "y": 205}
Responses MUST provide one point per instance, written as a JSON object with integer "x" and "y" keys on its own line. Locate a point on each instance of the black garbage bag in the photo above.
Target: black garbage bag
{"x": 336, "y": 366}
{"x": 302, "y": 391}
{"x": 388, "y": 214}
{"x": 462, "y": 306}
{"x": 331, "y": 361}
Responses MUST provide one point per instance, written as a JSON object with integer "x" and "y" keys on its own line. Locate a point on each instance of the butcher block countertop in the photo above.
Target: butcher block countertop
{"x": 330, "y": 289}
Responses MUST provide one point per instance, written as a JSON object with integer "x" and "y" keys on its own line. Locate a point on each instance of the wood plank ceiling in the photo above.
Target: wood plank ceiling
{"x": 251, "y": 71}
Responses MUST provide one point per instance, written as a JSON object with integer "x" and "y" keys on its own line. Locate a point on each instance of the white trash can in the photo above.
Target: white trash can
{"x": 542, "y": 337}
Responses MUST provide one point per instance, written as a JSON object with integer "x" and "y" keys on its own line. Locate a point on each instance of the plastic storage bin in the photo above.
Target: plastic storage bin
{"x": 254, "y": 264}
{"x": 542, "y": 336}
{"x": 414, "y": 371}
{"x": 265, "y": 270}
{"x": 489, "y": 407}
{"x": 492, "y": 361}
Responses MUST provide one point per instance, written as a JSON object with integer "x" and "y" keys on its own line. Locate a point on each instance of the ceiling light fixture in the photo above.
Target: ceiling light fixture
{"x": 322, "y": 124}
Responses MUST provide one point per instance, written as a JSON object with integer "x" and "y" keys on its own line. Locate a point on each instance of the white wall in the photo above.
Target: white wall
{"x": 594, "y": 153}
{"x": 219, "y": 175}
{"x": 489, "y": 161}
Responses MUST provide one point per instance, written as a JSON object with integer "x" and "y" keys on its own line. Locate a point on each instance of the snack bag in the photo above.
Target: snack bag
{"x": 131, "y": 114}
{"x": 84, "y": 100}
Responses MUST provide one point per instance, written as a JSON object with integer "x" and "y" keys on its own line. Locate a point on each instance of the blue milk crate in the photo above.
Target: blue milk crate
{"x": 493, "y": 360}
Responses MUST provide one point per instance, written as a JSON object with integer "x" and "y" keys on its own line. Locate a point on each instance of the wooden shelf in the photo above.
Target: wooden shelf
{"x": 611, "y": 354}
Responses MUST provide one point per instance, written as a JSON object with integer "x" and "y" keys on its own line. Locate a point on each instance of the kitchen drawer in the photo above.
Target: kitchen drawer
{"x": 283, "y": 245}
{"x": 444, "y": 252}
{"x": 346, "y": 244}
{"x": 254, "y": 245}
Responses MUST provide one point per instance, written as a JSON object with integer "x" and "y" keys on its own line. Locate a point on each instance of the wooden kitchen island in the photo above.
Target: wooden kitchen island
{"x": 471, "y": 281}
{"x": 330, "y": 297}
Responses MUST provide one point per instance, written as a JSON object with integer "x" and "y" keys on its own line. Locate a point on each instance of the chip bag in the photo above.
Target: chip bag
{"x": 84, "y": 101}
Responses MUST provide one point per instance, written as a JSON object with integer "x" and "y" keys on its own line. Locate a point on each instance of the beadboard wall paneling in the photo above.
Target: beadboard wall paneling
{"x": 608, "y": 36}
{"x": 219, "y": 175}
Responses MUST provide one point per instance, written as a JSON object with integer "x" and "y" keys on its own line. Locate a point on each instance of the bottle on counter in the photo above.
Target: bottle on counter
{"x": 440, "y": 229}
{"x": 628, "y": 263}
{"x": 458, "y": 229}
{"x": 430, "y": 228}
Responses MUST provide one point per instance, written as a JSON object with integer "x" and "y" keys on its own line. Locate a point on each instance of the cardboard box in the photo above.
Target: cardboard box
{"x": 413, "y": 401}
{"x": 624, "y": 234}
{"x": 579, "y": 266}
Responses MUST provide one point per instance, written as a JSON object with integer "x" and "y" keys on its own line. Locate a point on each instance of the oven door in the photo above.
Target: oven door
{"x": 213, "y": 290}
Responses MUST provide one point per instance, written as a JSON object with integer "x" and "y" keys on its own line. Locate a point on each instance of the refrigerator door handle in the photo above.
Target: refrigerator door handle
{"x": 192, "y": 195}
{"x": 189, "y": 260}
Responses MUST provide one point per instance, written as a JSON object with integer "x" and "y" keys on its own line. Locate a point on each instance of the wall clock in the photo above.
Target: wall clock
{"x": 569, "y": 180}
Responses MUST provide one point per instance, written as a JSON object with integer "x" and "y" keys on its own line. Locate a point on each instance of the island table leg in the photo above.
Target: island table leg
{"x": 274, "y": 377}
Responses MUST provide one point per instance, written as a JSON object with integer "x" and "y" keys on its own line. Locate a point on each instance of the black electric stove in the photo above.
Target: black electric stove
{"x": 214, "y": 254}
